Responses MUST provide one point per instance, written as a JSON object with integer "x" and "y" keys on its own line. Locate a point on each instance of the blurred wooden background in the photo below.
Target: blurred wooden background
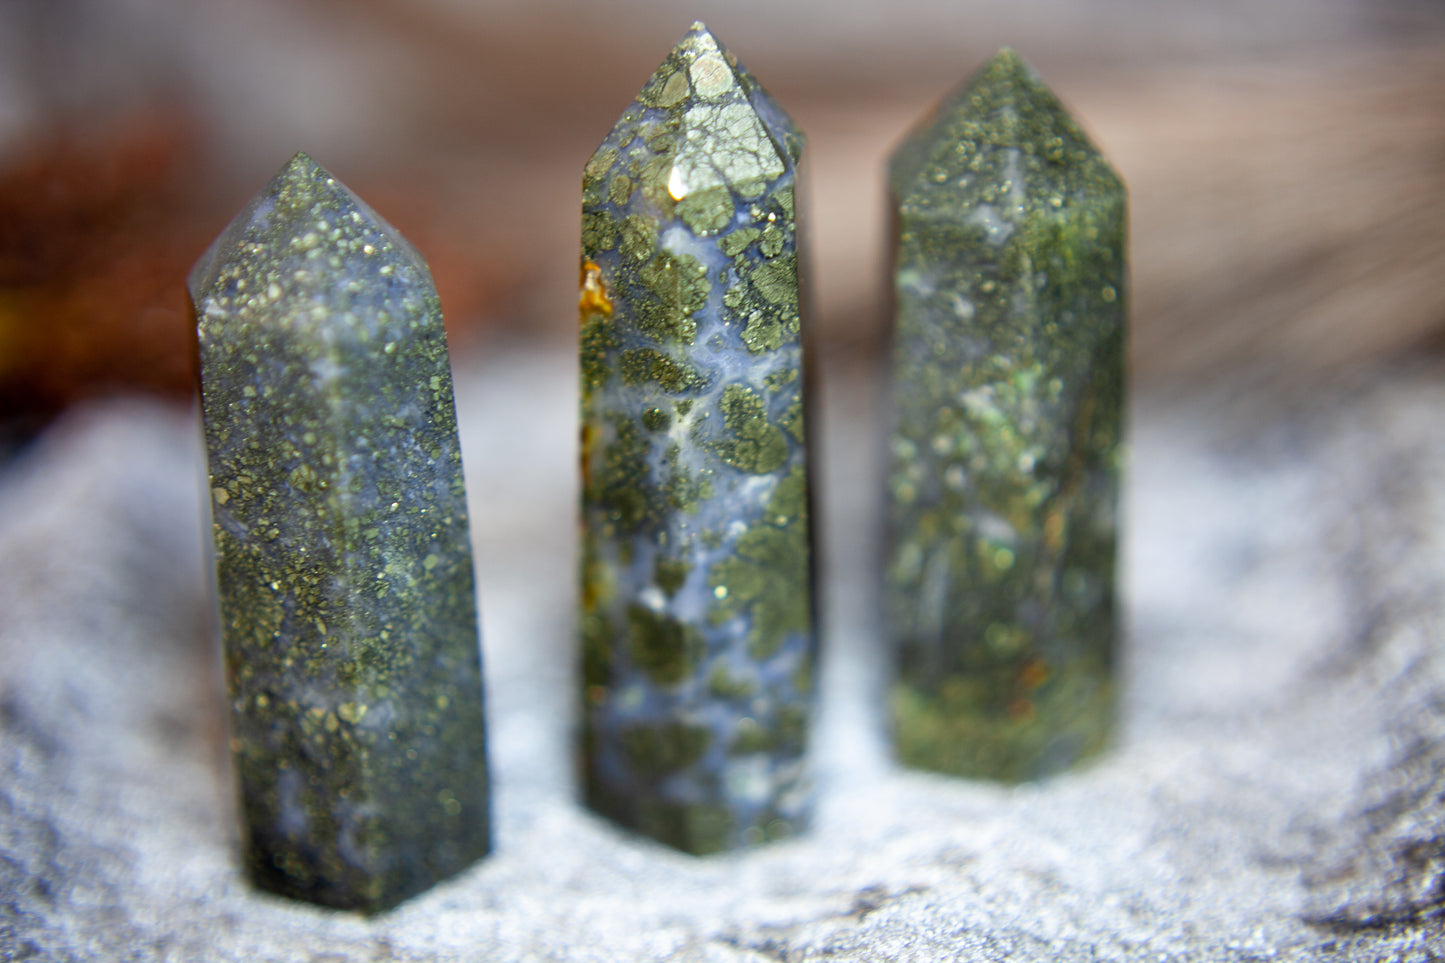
{"x": 1286, "y": 160}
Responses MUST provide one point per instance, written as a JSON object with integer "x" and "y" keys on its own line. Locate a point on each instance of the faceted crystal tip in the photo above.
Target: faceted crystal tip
{"x": 1007, "y": 62}
{"x": 725, "y": 130}
{"x": 305, "y": 234}
{"x": 299, "y": 169}
{"x": 301, "y": 217}
{"x": 300, "y": 165}
{"x": 698, "y": 35}
{"x": 1004, "y": 105}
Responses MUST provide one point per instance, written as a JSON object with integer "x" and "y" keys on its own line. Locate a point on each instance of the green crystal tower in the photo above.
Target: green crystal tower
{"x": 1008, "y": 389}
{"x": 697, "y": 597}
{"x": 343, "y": 560}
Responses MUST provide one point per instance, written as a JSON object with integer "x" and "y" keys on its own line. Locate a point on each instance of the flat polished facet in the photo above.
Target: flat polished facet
{"x": 1008, "y": 386}
{"x": 697, "y": 607}
{"x": 343, "y": 561}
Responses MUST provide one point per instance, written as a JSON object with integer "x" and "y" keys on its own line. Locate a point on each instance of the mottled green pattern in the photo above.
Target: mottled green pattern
{"x": 343, "y": 561}
{"x": 697, "y": 615}
{"x": 1008, "y": 390}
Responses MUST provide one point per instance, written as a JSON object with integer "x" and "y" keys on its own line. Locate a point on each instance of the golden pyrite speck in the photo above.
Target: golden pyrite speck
{"x": 697, "y": 609}
{"x": 343, "y": 560}
{"x": 1008, "y": 389}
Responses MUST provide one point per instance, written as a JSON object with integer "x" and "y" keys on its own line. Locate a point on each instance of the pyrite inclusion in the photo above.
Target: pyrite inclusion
{"x": 1008, "y": 385}
{"x": 697, "y": 608}
{"x": 343, "y": 562}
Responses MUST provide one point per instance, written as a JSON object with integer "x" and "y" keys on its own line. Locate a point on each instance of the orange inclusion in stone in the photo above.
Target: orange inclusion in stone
{"x": 593, "y": 297}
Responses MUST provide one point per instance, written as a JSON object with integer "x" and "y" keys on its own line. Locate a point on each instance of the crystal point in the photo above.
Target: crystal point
{"x": 343, "y": 562}
{"x": 697, "y": 596}
{"x": 1008, "y": 386}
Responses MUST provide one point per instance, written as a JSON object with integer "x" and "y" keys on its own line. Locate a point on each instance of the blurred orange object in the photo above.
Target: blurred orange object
{"x": 95, "y": 240}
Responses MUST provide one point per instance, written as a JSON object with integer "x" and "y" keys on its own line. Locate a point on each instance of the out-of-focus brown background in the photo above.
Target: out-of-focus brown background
{"x": 1286, "y": 160}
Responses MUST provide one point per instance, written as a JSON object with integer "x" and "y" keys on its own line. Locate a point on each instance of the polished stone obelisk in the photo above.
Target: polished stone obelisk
{"x": 1008, "y": 389}
{"x": 343, "y": 561}
{"x": 697, "y": 596}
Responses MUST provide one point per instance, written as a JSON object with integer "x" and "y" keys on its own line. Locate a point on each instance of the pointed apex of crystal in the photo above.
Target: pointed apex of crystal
{"x": 307, "y": 216}
{"x": 1006, "y": 105}
{"x": 1007, "y": 62}
{"x": 700, "y": 39}
{"x": 300, "y": 163}
{"x": 712, "y": 73}
{"x": 713, "y": 129}
{"x": 713, "y": 70}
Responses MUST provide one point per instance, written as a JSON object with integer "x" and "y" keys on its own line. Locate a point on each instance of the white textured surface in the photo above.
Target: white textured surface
{"x": 1254, "y": 712}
